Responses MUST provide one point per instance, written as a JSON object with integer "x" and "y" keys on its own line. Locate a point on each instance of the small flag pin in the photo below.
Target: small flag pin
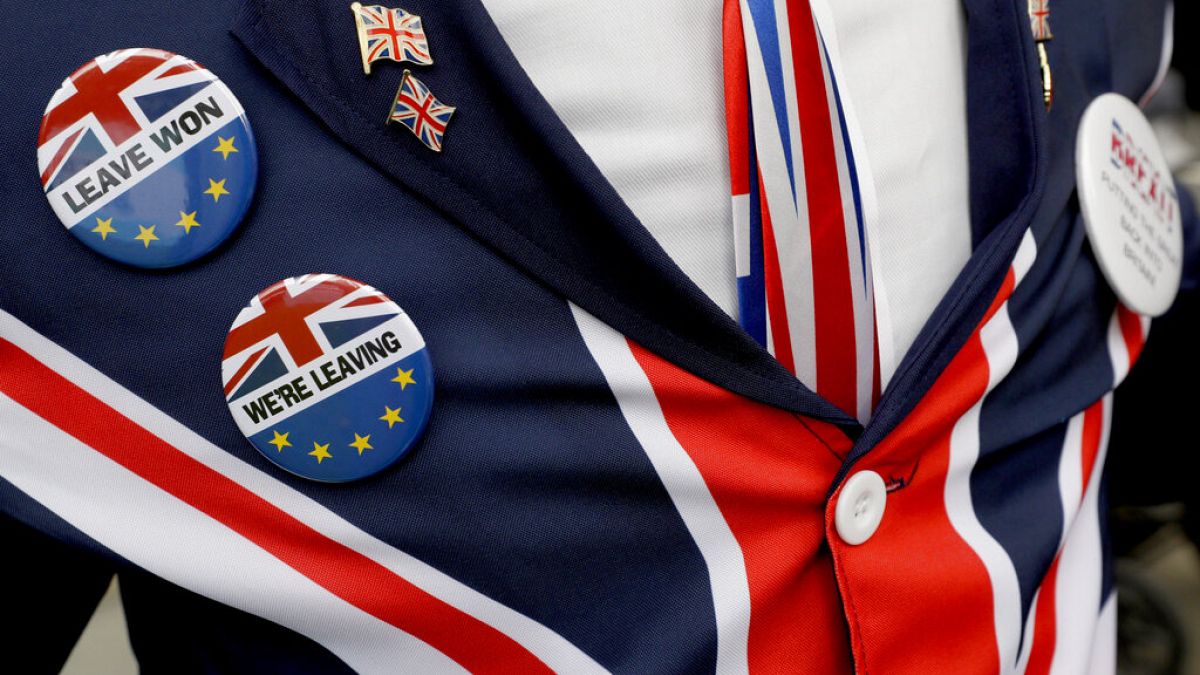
{"x": 418, "y": 109}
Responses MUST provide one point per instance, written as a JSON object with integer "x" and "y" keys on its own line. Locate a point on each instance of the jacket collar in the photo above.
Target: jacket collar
{"x": 512, "y": 174}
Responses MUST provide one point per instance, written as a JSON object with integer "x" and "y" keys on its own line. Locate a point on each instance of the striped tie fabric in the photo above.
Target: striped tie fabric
{"x": 804, "y": 282}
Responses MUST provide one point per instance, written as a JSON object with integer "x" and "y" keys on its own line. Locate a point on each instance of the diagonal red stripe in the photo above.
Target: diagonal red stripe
{"x": 1093, "y": 428}
{"x": 737, "y": 98}
{"x": 1131, "y": 331}
{"x": 768, "y": 471}
{"x": 241, "y": 372}
{"x": 1045, "y": 624}
{"x": 339, "y": 569}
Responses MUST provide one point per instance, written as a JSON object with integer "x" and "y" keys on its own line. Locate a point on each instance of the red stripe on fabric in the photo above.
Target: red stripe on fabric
{"x": 1093, "y": 429}
{"x": 59, "y": 156}
{"x": 781, "y": 332}
{"x": 1131, "y": 331}
{"x": 768, "y": 472}
{"x": 342, "y": 571}
{"x": 1045, "y": 624}
{"x": 833, "y": 297}
{"x": 876, "y": 375}
{"x": 1045, "y": 628}
{"x": 737, "y": 97}
{"x": 241, "y": 372}
{"x": 917, "y": 564}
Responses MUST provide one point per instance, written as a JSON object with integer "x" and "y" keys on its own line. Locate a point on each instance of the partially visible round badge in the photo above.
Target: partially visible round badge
{"x": 1130, "y": 207}
{"x": 327, "y": 377}
{"x": 147, "y": 157}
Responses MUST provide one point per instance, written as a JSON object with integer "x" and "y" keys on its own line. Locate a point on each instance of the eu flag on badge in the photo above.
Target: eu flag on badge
{"x": 147, "y": 157}
{"x": 392, "y": 34}
{"x": 418, "y": 109}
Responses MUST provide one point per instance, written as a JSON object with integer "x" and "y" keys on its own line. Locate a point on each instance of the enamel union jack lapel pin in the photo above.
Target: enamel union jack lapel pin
{"x": 418, "y": 109}
{"x": 1039, "y": 22}
{"x": 393, "y": 34}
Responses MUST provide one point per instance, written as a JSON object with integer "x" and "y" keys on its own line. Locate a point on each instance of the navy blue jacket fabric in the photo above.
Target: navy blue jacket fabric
{"x": 509, "y": 491}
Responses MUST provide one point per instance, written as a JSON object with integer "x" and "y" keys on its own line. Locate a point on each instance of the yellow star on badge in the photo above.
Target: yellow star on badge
{"x": 225, "y": 146}
{"x": 103, "y": 228}
{"x": 216, "y": 189}
{"x": 362, "y": 443}
{"x": 404, "y": 377}
{"x": 391, "y": 416}
{"x": 280, "y": 441}
{"x": 146, "y": 235}
{"x": 321, "y": 452}
{"x": 187, "y": 221}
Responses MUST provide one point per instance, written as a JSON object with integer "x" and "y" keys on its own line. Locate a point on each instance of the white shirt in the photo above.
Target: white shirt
{"x": 640, "y": 86}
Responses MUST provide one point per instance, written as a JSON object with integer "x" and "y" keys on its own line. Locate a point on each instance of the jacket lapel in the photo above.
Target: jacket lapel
{"x": 512, "y": 174}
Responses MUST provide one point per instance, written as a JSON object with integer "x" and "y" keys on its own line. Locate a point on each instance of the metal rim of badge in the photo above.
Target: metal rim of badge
{"x": 327, "y": 378}
{"x": 1130, "y": 207}
{"x": 147, "y": 157}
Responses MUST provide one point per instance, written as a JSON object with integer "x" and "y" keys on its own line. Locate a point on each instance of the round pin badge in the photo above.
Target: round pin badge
{"x": 1130, "y": 207}
{"x": 147, "y": 157}
{"x": 327, "y": 377}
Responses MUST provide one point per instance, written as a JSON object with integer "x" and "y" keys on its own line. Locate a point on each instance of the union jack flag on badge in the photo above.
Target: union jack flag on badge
{"x": 418, "y": 109}
{"x": 394, "y": 34}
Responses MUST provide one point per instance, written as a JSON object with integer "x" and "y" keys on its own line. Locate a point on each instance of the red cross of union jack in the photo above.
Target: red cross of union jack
{"x": 393, "y": 34}
{"x": 418, "y": 109}
{"x": 1039, "y": 19}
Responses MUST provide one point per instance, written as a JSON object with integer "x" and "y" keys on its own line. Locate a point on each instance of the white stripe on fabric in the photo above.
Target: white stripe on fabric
{"x": 1164, "y": 59}
{"x": 792, "y": 241}
{"x": 1102, "y": 656}
{"x": 1025, "y": 257}
{"x": 1104, "y": 646}
{"x": 1117, "y": 351}
{"x": 551, "y": 648}
{"x": 685, "y": 485}
{"x": 1000, "y": 347}
{"x": 1027, "y": 637}
{"x": 767, "y": 324}
{"x": 1070, "y": 485}
{"x": 999, "y": 344}
{"x": 1070, "y": 488}
{"x": 173, "y": 540}
{"x": 1070, "y": 472}
{"x": 1077, "y": 597}
{"x": 741, "y": 234}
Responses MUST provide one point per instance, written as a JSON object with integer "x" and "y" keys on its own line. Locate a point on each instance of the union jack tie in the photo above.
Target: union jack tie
{"x": 803, "y": 273}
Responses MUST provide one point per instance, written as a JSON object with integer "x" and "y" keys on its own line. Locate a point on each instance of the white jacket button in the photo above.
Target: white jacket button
{"x": 860, "y": 507}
